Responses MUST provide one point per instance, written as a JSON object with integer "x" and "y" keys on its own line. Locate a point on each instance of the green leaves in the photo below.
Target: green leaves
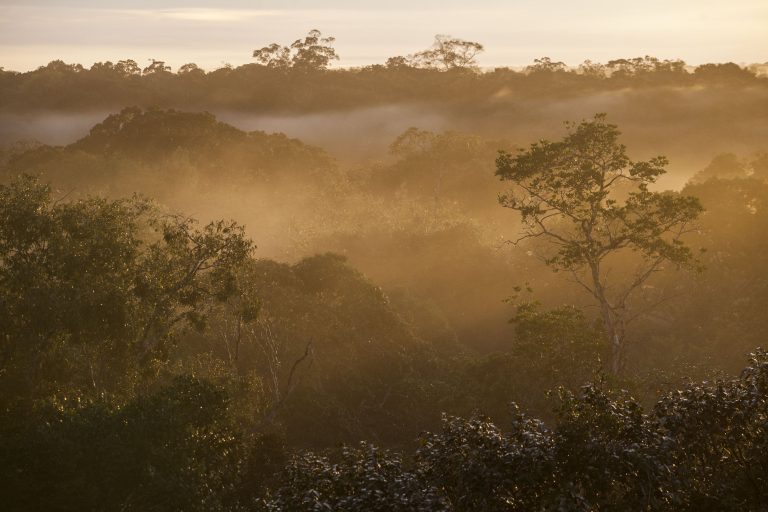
{"x": 364, "y": 478}
{"x": 175, "y": 448}
{"x": 589, "y": 199}
{"x": 591, "y": 206}
{"x": 92, "y": 287}
{"x": 701, "y": 448}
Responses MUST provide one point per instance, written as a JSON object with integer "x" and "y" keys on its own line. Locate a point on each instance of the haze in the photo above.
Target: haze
{"x": 377, "y": 257}
{"x": 514, "y": 33}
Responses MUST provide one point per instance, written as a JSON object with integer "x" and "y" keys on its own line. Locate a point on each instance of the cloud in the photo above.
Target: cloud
{"x": 209, "y": 15}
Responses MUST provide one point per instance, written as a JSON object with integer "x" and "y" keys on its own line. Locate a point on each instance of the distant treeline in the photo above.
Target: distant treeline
{"x": 271, "y": 87}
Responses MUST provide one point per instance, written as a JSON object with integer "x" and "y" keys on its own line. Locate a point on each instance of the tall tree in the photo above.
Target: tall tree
{"x": 448, "y": 53}
{"x": 590, "y": 202}
{"x": 273, "y": 56}
{"x": 313, "y": 53}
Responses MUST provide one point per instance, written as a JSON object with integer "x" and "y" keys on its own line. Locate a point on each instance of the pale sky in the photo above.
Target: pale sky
{"x": 514, "y": 32}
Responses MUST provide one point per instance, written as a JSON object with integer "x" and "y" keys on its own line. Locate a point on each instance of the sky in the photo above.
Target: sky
{"x": 514, "y": 32}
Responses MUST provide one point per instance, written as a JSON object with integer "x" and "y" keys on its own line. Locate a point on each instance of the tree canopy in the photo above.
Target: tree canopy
{"x": 448, "y": 53}
{"x": 313, "y": 53}
{"x": 93, "y": 289}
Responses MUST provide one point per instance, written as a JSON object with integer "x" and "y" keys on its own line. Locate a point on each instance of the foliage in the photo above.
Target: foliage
{"x": 727, "y": 166}
{"x": 482, "y": 468}
{"x": 550, "y": 349}
{"x": 361, "y": 358}
{"x": 701, "y": 448}
{"x": 606, "y": 453}
{"x": 156, "y": 67}
{"x": 559, "y": 345}
{"x": 562, "y": 334}
{"x": 99, "y": 426}
{"x": 447, "y": 53}
{"x": 296, "y": 78}
{"x": 446, "y": 168}
{"x": 168, "y": 153}
{"x": 313, "y": 53}
{"x": 589, "y": 202}
{"x": 643, "y": 67}
{"x": 148, "y": 362}
{"x": 364, "y": 479}
{"x": 721, "y": 313}
{"x": 172, "y": 449}
{"x": 546, "y": 65}
{"x": 716, "y": 436}
{"x": 91, "y": 290}
{"x": 722, "y": 74}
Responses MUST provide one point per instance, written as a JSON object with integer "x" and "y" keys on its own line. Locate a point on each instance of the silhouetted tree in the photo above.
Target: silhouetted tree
{"x": 546, "y": 65}
{"x": 313, "y": 53}
{"x": 723, "y": 74}
{"x": 448, "y": 53}
{"x": 397, "y": 62}
{"x": 592, "y": 69}
{"x": 191, "y": 69}
{"x": 645, "y": 66}
{"x": 273, "y": 56}
{"x": 128, "y": 68}
{"x": 156, "y": 66}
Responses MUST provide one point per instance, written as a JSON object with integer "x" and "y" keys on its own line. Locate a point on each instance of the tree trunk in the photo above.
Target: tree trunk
{"x": 611, "y": 322}
{"x": 615, "y": 336}
{"x": 617, "y": 354}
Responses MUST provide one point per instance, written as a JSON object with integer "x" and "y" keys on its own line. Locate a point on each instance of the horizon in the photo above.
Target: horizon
{"x": 85, "y": 32}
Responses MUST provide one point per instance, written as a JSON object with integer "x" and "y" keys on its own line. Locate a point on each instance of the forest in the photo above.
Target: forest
{"x": 411, "y": 286}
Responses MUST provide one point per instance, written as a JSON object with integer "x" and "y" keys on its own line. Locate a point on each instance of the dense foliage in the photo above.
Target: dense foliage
{"x": 175, "y": 448}
{"x": 295, "y": 78}
{"x": 152, "y": 362}
{"x": 92, "y": 290}
{"x": 174, "y": 386}
{"x": 700, "y": 448}
{"x": 153, "y": 149}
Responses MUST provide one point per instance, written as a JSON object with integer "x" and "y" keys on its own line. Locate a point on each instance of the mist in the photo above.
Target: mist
{"x": 54, "y": 128}
{"x": 413, "y": 286}
{"x": 688, "y": 125}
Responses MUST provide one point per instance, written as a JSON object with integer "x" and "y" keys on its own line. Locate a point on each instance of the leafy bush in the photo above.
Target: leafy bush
{"x": 174, "y": 449}
{"x": 365, "y": 479}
